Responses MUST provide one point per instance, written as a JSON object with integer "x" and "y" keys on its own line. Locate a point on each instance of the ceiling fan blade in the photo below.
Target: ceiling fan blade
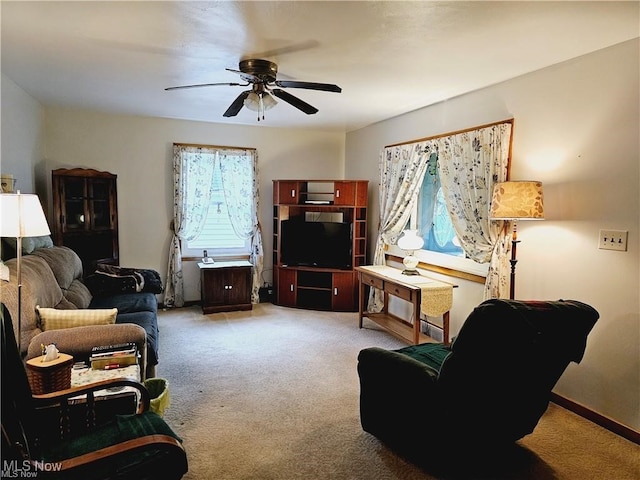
{"x": 237, "y": 104}
{"x": 296, "y": 47}
{"x": 295, "y": 101}
{"x": 206, "y": 85}
{"x": 247, "y": 77}
{"x": 325, "y": 87}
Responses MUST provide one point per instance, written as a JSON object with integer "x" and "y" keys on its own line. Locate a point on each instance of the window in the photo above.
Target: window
{"x": 434, "y": 221}
{"x": 472, "y": 161}
{"x": 217, "y": 237}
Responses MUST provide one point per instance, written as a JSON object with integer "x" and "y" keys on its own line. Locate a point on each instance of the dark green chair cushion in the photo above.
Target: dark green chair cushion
{"x": 121, "y": 429}
{"x": 432, "y": 354}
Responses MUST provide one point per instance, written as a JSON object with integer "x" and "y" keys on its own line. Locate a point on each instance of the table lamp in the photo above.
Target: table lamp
{"x": 410, "y": 242}
{"x": 513, "y": 201}
{"x": 21, "y": 215}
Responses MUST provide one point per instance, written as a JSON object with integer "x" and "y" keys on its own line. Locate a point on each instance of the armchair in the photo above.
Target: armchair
{"x": 485, "y": 391}
{"x": 137, "y": 446}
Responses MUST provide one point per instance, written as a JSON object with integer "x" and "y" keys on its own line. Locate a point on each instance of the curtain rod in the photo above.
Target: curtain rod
{"x": 451, "y": 133}
{"x": 197, "y": 145}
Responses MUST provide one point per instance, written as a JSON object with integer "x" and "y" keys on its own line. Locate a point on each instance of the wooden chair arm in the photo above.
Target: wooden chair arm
{"x": 158, "y": 441}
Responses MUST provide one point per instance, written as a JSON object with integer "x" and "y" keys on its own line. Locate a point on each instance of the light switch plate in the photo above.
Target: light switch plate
{"x": 613, "y": 240}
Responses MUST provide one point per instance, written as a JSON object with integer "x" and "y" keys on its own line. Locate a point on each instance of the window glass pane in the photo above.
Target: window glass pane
{"x": 217, "y": 235}
{"x": 433, "y": 219}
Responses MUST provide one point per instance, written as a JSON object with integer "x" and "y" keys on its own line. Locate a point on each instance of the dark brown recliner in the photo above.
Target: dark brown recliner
{"x": 485, "y": 391}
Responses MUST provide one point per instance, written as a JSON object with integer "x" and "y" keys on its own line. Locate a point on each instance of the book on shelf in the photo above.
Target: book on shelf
{"x": 113, "y": 356}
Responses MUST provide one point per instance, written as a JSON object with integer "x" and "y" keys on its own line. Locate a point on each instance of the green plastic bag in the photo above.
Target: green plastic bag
{"x": 159, "y": 393}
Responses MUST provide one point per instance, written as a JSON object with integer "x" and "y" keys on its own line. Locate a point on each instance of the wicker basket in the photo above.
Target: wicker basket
{"x": 51, "y": 376}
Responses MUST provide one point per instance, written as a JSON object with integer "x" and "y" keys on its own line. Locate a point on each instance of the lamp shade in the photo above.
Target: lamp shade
{"x": 21, "y": 215}
{"x": 268, "y": 101}
{"x": 252, "y": 102}
{"x": 259, "y": 102}
{"x": 410, "y": 241}
{"x": 518, "y": 200}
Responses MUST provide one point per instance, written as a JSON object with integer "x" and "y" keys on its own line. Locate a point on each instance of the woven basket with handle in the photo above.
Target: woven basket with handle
{"x": 51, "y": 376}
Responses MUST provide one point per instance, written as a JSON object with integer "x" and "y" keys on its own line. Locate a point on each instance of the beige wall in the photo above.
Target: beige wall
{"x": 21, "y": 137}
{"x": 577, "y": 130}
{"x": 139, "y": 151}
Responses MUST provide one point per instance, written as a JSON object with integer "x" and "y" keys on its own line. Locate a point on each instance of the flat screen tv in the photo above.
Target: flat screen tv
{"x": 316, "y": 244}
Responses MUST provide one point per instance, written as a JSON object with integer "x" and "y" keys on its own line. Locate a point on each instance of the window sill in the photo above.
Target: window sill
{"x": 218, "y": 258}
{"x": 450, "y": 265}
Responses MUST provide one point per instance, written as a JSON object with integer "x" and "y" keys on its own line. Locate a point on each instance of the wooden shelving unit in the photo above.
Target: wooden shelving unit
{"x": 85, "y": 214}
{"x": 314, "y": 287}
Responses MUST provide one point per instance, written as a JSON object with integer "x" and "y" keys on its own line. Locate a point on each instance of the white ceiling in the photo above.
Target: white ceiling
{"x": 388, "y": 57}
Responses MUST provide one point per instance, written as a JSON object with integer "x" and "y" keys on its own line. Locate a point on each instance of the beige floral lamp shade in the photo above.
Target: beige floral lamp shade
{"x": 517, "y": 200}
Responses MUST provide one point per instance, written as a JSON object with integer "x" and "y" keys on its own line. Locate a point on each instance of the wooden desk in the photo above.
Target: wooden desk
{"x": 388, "y": 280}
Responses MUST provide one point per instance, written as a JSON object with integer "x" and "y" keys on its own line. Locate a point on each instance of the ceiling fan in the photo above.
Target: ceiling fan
{"x": 261, "y": 74}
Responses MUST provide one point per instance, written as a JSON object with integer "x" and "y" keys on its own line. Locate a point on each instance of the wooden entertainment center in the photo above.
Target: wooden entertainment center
{"x": 310, "y": 286}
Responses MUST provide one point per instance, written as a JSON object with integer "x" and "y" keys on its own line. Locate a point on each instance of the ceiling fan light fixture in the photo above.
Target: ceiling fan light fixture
{"x": 268, "y": 101}
{"x": 259, "y": 102}
{"x": 252, "y": 102}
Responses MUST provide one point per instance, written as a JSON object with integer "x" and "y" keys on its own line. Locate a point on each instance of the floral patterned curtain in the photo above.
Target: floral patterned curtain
{"x": 469, "y": 164}
{"x": 192, "y": 179}
{"x": 239, "y": 170}
{"x": 193, "y": 169}
{"x": 402, "y": 170}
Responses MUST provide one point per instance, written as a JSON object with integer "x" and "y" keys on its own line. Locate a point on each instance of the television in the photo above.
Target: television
{"x": 316, "y": 244}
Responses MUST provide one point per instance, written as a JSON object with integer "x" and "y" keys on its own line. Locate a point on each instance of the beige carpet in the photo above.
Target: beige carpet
{"x": 273, "y": 394}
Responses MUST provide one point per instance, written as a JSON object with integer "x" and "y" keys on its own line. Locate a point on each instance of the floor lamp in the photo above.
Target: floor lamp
{"x": 513, "y": 201}
{"x": 21, "y": 215}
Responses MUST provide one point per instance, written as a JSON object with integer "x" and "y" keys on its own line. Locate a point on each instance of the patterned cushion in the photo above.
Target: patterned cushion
{"x": 54, "y": 319}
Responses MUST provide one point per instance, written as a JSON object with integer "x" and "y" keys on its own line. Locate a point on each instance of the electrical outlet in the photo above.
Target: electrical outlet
{"x": 613, "y": 240}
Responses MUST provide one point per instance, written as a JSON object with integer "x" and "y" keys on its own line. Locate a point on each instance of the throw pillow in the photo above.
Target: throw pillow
{"x": 54, "y": 319}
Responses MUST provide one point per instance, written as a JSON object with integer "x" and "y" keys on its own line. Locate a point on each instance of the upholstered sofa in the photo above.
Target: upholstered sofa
{"x": 53, "y": 278}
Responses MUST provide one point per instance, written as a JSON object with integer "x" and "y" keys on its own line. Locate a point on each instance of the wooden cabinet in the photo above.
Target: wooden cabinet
{"x": 314, "y": 287}
{"x": 286, "y": 282}
{"x": 225, "y": 286}
{"x": 287, "y": 192}
{"x": 85, "y": 214}
{"x": 350, "y": 193}
{"x": 343, "y": 291}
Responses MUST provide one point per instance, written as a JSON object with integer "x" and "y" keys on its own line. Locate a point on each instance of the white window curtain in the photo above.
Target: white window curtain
{"x": 402, "y": 170}
{"x": 239, "y": 171}
{"x": 469, "y": 165}
{"x": 193, "y": 168}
